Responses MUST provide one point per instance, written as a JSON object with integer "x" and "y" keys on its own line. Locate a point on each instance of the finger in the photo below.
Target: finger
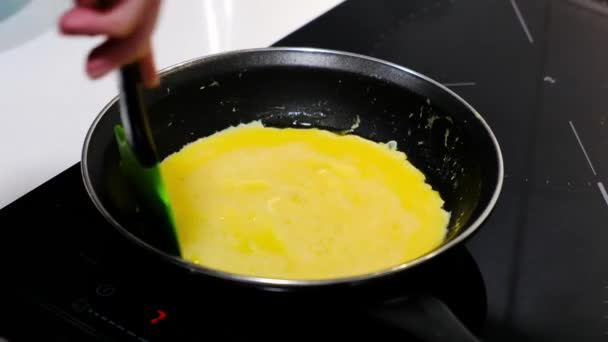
{"x": 148, "y": 70}
{"x": 119, "y": 22}
{"x": 117, "y": 52}
{"x": 86, "y": 3}
{"x": 147, "y": 63}
{"x": 112, "y": 54}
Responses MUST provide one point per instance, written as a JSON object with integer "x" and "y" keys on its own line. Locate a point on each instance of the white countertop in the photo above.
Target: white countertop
{"x": 46, "y": 101}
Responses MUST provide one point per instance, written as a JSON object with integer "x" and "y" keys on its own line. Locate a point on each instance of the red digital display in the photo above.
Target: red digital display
{"x": 161, "y": 315}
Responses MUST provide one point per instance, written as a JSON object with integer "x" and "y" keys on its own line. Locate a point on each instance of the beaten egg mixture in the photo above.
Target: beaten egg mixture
{"x": 299, "y": 203}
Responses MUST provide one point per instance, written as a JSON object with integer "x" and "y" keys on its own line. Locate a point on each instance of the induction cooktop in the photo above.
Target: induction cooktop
{"x": 537, "y": 270}
{"x": 80, "y": 281}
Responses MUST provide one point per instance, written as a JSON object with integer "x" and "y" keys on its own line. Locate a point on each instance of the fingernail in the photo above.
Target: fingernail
{"x": 70, "y": 22}
{"x": 97, "y": 68}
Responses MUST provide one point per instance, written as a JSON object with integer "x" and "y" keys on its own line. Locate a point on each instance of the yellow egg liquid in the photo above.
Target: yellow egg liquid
{"x": 300, "y": 203}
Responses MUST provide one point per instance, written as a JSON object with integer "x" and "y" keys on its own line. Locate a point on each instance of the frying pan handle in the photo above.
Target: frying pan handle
{"x": 426, "y": 318}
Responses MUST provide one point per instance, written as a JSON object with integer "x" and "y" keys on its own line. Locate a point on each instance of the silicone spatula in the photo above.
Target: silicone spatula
{"x": 140, "y": 162}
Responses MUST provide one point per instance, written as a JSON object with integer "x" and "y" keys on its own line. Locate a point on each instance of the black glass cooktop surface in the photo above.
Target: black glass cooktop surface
{"x": 536, "y": 70}
{"x": 74, "y": 278}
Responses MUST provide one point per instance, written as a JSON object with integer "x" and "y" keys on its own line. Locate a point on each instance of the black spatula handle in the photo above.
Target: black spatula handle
{"x": 134, "y": 116}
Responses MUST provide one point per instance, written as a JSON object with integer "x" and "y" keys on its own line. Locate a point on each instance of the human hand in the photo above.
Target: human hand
{"x": 128, "y": 26}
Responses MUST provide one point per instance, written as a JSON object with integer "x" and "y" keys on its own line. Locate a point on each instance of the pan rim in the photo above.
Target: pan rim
{"x": 293, "y": 283}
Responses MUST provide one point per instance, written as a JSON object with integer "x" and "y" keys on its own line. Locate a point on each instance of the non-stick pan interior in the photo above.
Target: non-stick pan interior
{"x": 440, "y": 134}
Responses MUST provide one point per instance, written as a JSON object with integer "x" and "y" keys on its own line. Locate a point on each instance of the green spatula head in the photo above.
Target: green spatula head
{"x": 152, "y": 195}
{"x": 140, "y": 163}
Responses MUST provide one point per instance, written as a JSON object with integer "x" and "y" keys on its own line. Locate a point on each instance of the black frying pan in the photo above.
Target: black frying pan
{"x": 441, "y": 134}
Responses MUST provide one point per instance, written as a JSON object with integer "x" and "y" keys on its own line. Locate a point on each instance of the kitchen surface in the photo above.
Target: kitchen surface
{"x": 536, "y": 70}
